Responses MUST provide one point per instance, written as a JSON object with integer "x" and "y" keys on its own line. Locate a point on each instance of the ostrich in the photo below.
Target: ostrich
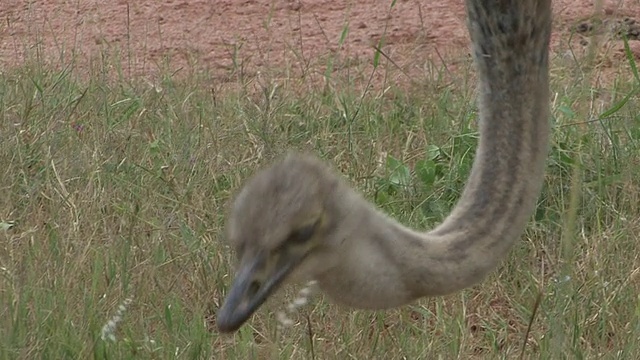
{"x": 300, "y": 220}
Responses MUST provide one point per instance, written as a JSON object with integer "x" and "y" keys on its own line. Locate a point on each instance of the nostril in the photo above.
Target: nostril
{"x": 253, "y": 288}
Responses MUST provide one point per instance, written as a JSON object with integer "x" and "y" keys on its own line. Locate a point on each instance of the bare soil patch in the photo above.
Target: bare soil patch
{"x": 227, "y": 36}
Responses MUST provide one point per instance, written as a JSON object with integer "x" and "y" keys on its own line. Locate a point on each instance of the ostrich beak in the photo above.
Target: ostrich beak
{"x": 258, "y": 277}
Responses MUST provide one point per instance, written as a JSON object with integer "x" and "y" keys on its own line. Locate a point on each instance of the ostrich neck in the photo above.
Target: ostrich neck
{"x": 387, "y": 264}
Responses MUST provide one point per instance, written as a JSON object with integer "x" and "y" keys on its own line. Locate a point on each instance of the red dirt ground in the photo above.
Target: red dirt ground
{"x": 297, "y": 34}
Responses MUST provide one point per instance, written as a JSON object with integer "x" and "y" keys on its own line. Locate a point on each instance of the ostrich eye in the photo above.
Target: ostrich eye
{"x": 303, "y": 234}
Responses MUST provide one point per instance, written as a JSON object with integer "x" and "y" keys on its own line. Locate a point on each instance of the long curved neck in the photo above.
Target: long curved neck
{"x": 510, "y": 42}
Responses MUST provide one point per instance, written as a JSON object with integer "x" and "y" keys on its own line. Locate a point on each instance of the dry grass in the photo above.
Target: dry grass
{"x": 116, "y": 189}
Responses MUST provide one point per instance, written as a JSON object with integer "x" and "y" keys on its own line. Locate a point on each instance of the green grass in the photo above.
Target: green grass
{"x": 113, "y": 189}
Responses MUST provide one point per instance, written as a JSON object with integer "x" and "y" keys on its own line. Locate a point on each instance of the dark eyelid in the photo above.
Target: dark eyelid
{"x": 304, "y": 233}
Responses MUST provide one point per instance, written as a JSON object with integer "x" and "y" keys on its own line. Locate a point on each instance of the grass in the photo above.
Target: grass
{"x": 114, "y": 193}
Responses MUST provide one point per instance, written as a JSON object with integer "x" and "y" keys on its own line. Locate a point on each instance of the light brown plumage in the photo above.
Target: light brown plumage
{"x": 299, "y": 220}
